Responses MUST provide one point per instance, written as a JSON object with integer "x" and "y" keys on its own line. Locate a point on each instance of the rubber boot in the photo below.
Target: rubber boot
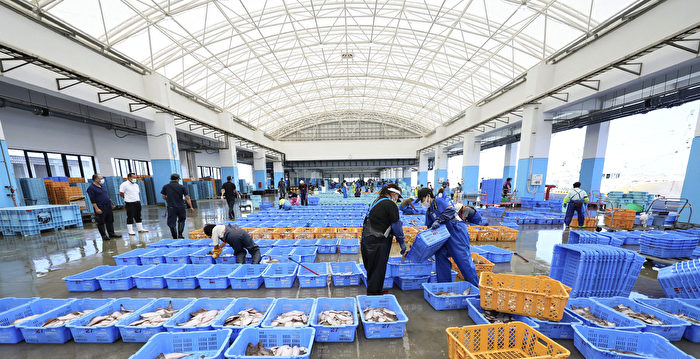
{"x": 173, "y": 232}
{"x": 139, "y": 227}
{"x": 180, "y": 229}
{"x": 103, "y": 232}
{"x": 110, "y": 230}
{"x": 130, "y": 227}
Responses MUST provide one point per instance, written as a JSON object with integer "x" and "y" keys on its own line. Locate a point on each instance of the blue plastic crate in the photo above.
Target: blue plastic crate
{"x": 156, "y": 256}
{"x": 103, "y": 334}
{"x": 172, "y": 324}
{"x": 304, "y": 254}
{"x": 306, "y": 242}
{"x": 449, "y": 302}
{"x": 154, "y": 278}
{"x": 201, "y": 243}
{"x": 563, "y": 329}
{"x": 280, "y": 275}
{"x": 131, "y": 257}
{"x": 271, "y": 337}
{"x": 8, "y": 303}
{"x": 342, "y": 280}
{"x": 209, "y": 344}
{"x": 476, "y": 313}
{"x": 259, "y": 304}
{"x": 427, "y": 243}
{"x": 201, "y": 256}
{"x": 280, "y": 253}
{"x": 307, "y": 279}
{"x": 493, "y": 253}
{"x": 327, "y": 245}
{"x": 10, "y": 334}
{"x": 407, "y": 267}
{"x": 216, "y": 277}
{"x": 87, "y": 281}
{"x": 674, "y": 328}
{"x": 335, "y": 334}
{"x": 186, "y": 277}
{"x": 388, "y": 279}
{"x": 673, "y": 306}
{"x": 180, "y": 243}
{"x": 411, "y": 282}
{"x": 121, "y": 278}
{"x": 433, "y": 277}
{"x": 597, "y": 343}
{"x": 285, "y": 243}
{"x": 283, "y": 305}
{"x": 180, "y": 255}
{"x": 32, "y": 329}
{"x": 247, "y": 276}
{"x": 227, "y": 256}
{"x": 348, "y": 245}
{"x": 622, "y": 322}
{"x": 163, "y": 243}
{"x": 141, "y": 334}
{"x": 374, "y": 330}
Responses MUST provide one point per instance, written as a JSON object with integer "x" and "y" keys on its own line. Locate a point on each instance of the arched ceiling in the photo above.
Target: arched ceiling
{"x": 275, "y": 64}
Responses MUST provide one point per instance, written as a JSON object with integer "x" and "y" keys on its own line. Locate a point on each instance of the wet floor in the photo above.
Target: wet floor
{"x": 34, "y": 266}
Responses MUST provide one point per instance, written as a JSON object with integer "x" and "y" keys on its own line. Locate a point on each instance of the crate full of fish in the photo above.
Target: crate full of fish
{"x": 201, "y": 256}
{"x": 204, "y": 344}
{"x": 656, "y": 321}
{"x": 381, "y": 316}
{"x": 50, "y": 327}
{"x": 345, "y": 274}
{"x": 481, "y": 316}
{"x": 449, "y": 296}
{"x": 687, "y": 312}
{"x": 407, "y": 267}
{"x": 87, "y": 280}
{"x": 216, "y": 277}
{"x": 283, "y": 343}
{"x": 121, "y": 278}
{"x": 610, "y": 343}
{"x": 198, "y": 316}
{"x": 9, "y": 332}
{"x": 327, "y": 245}
{"x": 148, "y": 321}
{"x": 154, "y": 278}
{"x": 427, "y": 243}
{"x": 388, "y": 279}
{"x": 280, "y": 275}
{"x": 308, "y": 279}
{"x": 243, "y": 313}
{"x": 289, "y": 312}
{"x": 99, "y": 326}
{"x": 132, "y": 257}
{"x": 594, "y": 314}
{"x": 335, "y": 319}
{"x": 247, "y": 276}
{"x": 533, "y": 296}
{"x": 186, "y": 277}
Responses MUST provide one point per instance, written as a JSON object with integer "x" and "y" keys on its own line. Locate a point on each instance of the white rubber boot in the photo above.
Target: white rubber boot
{"x": 130, "y": 227}
{"x": 139, "y": 227}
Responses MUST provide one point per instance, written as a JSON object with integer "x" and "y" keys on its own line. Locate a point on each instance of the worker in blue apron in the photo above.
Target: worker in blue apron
{"x": 576, "y": 200}
{"x": 344, "y": 187}
{"x": 442, "y": 211}
{"x": 468, "y": 214}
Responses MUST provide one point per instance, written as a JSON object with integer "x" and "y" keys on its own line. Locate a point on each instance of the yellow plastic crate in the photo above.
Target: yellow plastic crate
{"x": 326, "y": 232}
{"x": 532, "y": 296}
{"x": 482, "y": 265}
{"x": 507, "y": 234}
{"x": 256, "y": 233}
{"x": 588, "y": 222}
{"x": 347, "y": 232}
{"x": 305, "y": 233}
{"x": 198, "y": 234}
{"x": 284, "y": 233}
{"x": 501, "y": 341}
{"x": 474, "y": 232}
{"x": 489, "y": 234}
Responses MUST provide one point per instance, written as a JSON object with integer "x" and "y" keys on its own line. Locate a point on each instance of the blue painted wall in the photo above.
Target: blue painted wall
{"x": 259, "y": 179}
{"x": 508, "y": 172}
{"x": 591, "y": 174}
{"x": 7, "y": 177}
{"x": 278, "y": 176}
{"x": 162, "y": 169}
{"x": 470, "y": 174}
{"x": 539, "y": 166}
{"x": 691, "y": 184}
{"x": 407, "y": 181}
{"x": 439, "y": 174}
{"x": 423, "y": 178}
{"x": 230, "y": 171}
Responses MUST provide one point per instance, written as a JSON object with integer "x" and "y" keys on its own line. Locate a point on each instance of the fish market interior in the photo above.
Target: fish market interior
{"x": 349, "y": 179}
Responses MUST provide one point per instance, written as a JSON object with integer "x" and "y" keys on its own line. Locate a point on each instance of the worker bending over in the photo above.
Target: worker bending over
{"x": 236, "y": 237}
{"x": 467, "y": 213}
{"x": 410, "y": 206}
{"x": 442, "y": 211}
{"x": 577, "y": 197}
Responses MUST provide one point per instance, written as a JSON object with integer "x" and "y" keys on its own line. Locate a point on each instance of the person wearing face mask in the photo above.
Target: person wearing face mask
{"x": 380, "y": 225}
{"x": 129, "y": 190}
{"x": 441, "y": 211}
{"x": 102, "y": 206}
{"x": 172, "y": 194}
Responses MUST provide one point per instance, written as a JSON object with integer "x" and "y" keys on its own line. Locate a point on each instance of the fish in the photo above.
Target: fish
{"x": 495, "y": 317}
{"x": 156, "y": 318}
{"x": 270, "y": 260}
{"x": 282, "y": 350}
{"x": 335, "y": 318}
{"x": 62, "y": 320}
{"x": 20, "y": 320}
{"x": 294, "y": 318}
{"x": 452, "y": 294}
{"x": 173, "y": 355}
{"x": 107, "y": 320}
{"x": 379, "y": 315}
{"x": 586, "y": 313}
{"x": 201, "y": 318}
{"x": 685, "y": 317}
{"x": 245, "y": 318}
{"x": 644, "y": 317}
{"x": 344, "y": 273}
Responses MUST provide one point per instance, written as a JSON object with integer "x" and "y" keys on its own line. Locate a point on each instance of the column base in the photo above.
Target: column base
{"x": 259, "y": 179}
{"x": 690, "y": 190}
{"x": 162, "y": 169}
{"x": 470, "y": 174}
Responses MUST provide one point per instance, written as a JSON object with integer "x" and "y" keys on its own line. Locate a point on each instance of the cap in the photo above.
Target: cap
{"x": 174, "y": 177}
{"x": 394, "y": 190}
{"x": 423, "y": 192}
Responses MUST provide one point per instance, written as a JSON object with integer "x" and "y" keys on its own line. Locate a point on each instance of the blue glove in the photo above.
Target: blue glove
{"x": 435, "y": 225}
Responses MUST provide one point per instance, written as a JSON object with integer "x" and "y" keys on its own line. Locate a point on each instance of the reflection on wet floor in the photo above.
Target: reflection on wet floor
{"x": 34, "y": 266}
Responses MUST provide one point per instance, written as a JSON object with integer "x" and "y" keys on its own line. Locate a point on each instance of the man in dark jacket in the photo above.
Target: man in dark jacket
{"x": 173, "y": 194}
{"x": 236, "y": 237}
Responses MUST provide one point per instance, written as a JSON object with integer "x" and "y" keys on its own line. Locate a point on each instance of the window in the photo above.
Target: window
{"x": 122, "y": 167}
{"x": 216, "y": 172}
{"x": 141, "y": 168}
{"x": 56, "y": 167}
{"x": 19, "y": 163}
{"x": 211, "y": 172}
{"x": 37, "y": 165}
{"x": 88, "y": 166}
{"x": 43, "y": 164}
{"x": 73, "y": 163}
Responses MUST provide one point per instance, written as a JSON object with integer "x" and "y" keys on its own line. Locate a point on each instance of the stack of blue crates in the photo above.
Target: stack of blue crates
{"x": 142, "y": 192}
{"x": 586, "y": 237}
{"x": 112, "y": 184}
{"x": 57, "y": 179}
{"x": 30, "y": 220}
{"x": 150, "y": 190}
{"x": 19, "y": 196}
{"x": 88, "y": 204}
{"x": 680, "y": 279}
{"x": 192, "y": 189}
{"x": 34, "y": 191}
{"x": 678, "y": 244}
{"x": 595, "y": 270}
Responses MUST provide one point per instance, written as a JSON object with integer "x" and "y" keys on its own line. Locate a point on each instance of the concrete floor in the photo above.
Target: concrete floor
{"x": 34, "y": 266}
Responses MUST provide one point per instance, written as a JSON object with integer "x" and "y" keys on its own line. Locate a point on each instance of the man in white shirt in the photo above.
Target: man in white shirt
{"x": 129, "y": 190}
{"x": 576, "y": 198}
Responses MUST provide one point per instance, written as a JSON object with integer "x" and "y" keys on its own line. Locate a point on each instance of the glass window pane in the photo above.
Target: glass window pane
{"x": 73, "y": 166}
{"x": 217, "y": 172}
{"x": 88, "y": 169}
{"x": 123, "y": 168}
{"x": 19, "y": 163}
{"x": 56, "y": 164}
{"x": 38, "y": 165}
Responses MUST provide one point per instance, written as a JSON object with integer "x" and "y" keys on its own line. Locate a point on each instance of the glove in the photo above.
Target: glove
{"x": 435, "y": 225}
{"x": 216, "y": 252}
{"x": 403, "y": 249}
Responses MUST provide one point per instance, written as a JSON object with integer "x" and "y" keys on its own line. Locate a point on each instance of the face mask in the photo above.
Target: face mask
{"x": 102, "y": 181}
{"x": 425, "y": 204}
{"x": 133, "y": 180}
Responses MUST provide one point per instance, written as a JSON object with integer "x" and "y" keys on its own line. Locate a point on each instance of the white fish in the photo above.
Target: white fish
{"x": 200, "y": 318}
{"x": 294, "y": 318}
{"x": 20, "y": 320}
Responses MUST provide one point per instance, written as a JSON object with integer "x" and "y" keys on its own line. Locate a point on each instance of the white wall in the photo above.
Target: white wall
{"x": 345, "y": 150}
{"x": 207, "y": 159}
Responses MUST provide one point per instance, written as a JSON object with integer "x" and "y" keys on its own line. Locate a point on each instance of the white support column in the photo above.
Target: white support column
{"x": 278, "y": 171}
{"x": 229, "y": 162}
{"x": 191, "y": 159}
{"x": 440, "y": 167}
{"x": 471, "y": 152}
{"x": 510, "y": 161}
{"x": 535, "y": 136}
{"x": 691, "y": 190}
{"x": 8, "y": 197}
{"x": 423, "y": 170}
{"x": 594, "y": 157}
{"x": 259, "y": 171}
